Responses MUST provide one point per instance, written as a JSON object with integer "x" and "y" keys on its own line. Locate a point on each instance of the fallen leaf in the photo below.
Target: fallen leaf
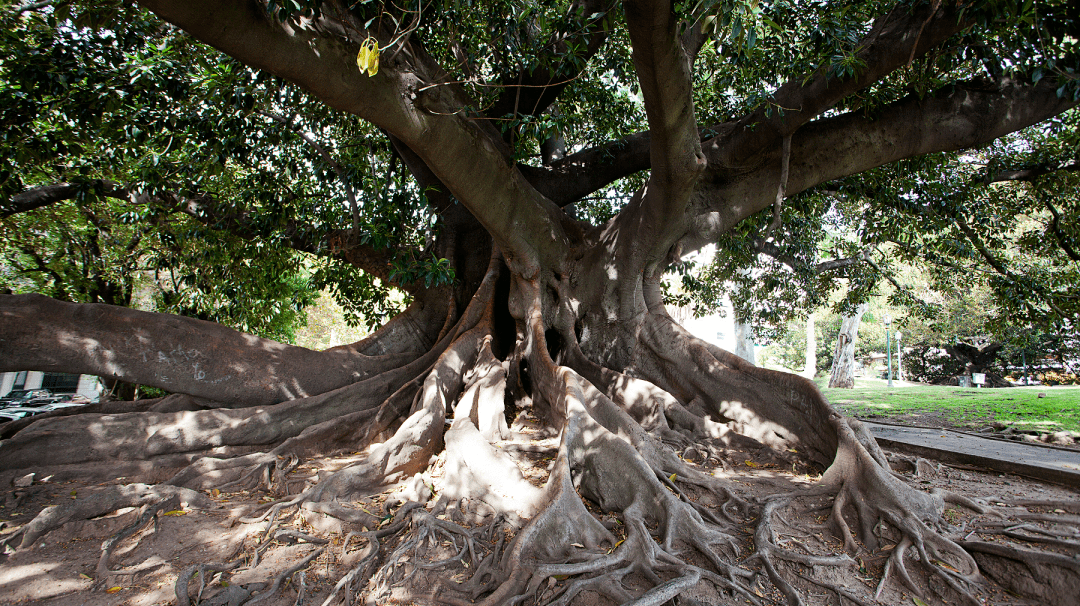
{"x": 577, "y": 545}
{"x": 85, "y": 576}
{"x": 919, "y": 602}
{"x": 945, "y": 565}
{"x": 175, "y": 512}
{"x": 215, "y": 492}
{"x": 751, "y": 464}
{"x": 116, "y": 589}
{"x": 672, "y": 477}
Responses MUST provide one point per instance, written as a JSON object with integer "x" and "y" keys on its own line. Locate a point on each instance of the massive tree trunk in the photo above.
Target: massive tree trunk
{"x": 653, "y": 433}
{"x": 842, "y": 374}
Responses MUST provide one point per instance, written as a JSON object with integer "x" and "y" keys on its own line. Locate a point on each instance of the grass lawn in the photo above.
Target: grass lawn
{"x": 1019, "y": 407}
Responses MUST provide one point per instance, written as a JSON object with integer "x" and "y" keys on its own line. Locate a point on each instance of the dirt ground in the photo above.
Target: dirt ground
{"x": 62, "y": 569}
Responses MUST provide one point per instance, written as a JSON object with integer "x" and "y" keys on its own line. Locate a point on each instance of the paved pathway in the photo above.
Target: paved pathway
{"x": 1047, "y": 463}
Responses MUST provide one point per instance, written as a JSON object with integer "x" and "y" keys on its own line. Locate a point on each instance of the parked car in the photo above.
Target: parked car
{"x": 18, "y": 397}
{"x": 6, "y": 416}
{"x": 79, "y": 398}
{"x": 60, "y": 405}
{"x": 22, "y": 411}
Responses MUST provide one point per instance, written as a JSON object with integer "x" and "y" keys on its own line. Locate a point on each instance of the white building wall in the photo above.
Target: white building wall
{"x": 34, "y": 379}
{"x": 89, "y": 385}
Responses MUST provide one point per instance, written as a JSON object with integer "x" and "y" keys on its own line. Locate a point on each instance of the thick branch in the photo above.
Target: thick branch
{"x": 894, "y": 41}
{"x": 1055, "y": 225}
{"x": 663, "y": 71}
{"x": 888, "y": 46}
{"x": 400, "y": 99}
{"x": 958, "y": 117}
{"x": 174, "y": 353}
{"x": 590, "y": 170}
{"x": 653, "y": 219}
{"x": 1029, "y": 173}
{"x": 774, "y": 251}
{"x": 980, "y": 246}
{"x": 46, "y": 195}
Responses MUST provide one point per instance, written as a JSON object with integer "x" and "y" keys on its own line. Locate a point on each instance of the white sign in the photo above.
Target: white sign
{"x": 978, "y": 378}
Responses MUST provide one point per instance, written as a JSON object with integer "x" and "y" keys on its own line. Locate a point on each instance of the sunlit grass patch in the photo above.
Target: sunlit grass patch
{"x": 1020, "y": 407}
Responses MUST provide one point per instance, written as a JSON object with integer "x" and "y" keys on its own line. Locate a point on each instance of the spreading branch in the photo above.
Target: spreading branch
{"x": 675, "y": 158}
{"x": 960, "y": 116}
{"x": 894, "y": 41}
{"x": 772, "y": 250}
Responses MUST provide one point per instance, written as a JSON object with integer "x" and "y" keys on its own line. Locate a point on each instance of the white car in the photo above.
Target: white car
{"x": 6, "y": 416}
{"x": 61, "y": 405}
{"x": 23, "y": 411}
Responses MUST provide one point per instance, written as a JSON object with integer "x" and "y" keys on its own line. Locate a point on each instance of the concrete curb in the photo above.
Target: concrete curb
{"x": 1042, "y": 462}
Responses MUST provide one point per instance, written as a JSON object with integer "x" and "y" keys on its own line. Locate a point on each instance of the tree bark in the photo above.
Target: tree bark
{"x": 842, "y": 374}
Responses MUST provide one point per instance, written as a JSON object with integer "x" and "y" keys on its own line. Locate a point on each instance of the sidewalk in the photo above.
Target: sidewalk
{"x": 1042, "y": 462}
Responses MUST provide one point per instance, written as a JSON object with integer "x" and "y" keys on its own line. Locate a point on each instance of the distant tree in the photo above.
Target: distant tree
{"x": 842, "y": 373}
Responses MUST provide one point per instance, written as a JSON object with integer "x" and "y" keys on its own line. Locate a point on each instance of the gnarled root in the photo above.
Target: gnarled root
{"x": 148, "y": 513}
{"x": 100, "y": 503}
{"x": 1047, "y": 577}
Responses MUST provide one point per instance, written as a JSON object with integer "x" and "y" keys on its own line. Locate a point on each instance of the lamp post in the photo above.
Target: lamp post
{"x": 899, "y": 358}
{"x": 888, "y": 347}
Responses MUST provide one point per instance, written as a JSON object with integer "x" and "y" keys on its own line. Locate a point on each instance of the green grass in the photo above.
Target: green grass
{"x": 1018, "y": 407}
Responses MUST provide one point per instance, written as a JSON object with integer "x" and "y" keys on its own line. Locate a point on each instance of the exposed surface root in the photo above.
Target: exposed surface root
{"x": 101, "y": 575}
{"x": 98, "y": 504}
{"x": 684, "y": 477}
{"x": 1045, "y": 576}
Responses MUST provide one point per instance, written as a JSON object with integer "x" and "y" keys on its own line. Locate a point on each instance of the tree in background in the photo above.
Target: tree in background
{"x": 527, "y": 174}
{"x": 842, "y": 372}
